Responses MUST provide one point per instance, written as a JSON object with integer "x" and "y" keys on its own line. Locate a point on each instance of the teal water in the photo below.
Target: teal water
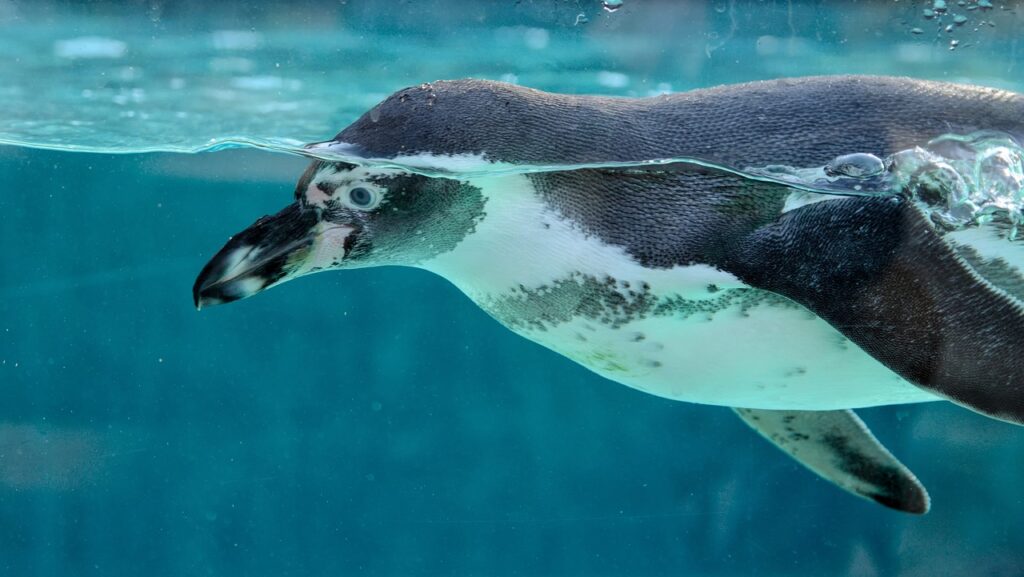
{"x": 375, "y": 422}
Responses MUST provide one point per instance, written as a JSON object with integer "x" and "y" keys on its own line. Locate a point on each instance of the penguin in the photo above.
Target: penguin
{"x": 683, "y": 280}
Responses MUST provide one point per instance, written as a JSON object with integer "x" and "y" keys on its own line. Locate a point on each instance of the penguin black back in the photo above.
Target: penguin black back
{"x": 799, "y": 122}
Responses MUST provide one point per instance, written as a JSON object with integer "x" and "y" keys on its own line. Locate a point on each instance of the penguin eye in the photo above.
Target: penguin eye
{"x": 361, "y": 197}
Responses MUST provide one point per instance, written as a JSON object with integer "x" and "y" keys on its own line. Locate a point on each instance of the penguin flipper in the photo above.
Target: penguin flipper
{"x": 838, "y": 446}
{"x": 876, "y": 270}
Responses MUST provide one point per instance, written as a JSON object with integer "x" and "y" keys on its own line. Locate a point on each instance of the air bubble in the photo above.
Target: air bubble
{"x": 612, "y": 5}
{"x": 857, "y": 165}
{"x": 939, "y": 185}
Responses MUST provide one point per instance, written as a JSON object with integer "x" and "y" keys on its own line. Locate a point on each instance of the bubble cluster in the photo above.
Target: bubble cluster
{"x": 950, "y": 16}
{"x": 964, "y": 181}
{"x": 959, "y": 181}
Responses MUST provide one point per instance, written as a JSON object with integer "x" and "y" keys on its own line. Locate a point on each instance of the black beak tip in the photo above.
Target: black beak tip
{"x": 209, "y": 290}
{"x": 212, "y": 289}
{"x": 196, "y": 300}
{"x": 201, "y": 285}
{"x": 256, "y": 258}
{"x": 206, "y": 294}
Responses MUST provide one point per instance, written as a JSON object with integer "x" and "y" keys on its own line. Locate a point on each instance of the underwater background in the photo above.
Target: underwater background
{"x": 376, "y": 422}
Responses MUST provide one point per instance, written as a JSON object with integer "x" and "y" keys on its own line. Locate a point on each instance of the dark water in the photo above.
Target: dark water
{"x": 375, "y": 422}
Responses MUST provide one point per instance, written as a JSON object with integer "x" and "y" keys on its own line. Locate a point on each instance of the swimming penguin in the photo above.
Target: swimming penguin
{"x": 692, "y": 283}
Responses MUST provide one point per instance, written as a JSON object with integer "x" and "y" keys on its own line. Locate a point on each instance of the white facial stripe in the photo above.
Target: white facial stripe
{"x": 344, "y": 180}
{"x": 455, "y": 163}
{"x": 315, "y": 196}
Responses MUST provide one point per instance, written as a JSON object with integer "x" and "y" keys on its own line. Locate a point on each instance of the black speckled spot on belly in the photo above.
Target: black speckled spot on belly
{"x": 608, "y": 302}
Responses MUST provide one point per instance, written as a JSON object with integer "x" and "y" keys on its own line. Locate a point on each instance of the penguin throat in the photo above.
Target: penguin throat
{"x": 520, "y": 241}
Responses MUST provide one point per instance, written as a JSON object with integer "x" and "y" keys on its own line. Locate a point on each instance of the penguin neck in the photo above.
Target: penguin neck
{"x": 520, "y": 241}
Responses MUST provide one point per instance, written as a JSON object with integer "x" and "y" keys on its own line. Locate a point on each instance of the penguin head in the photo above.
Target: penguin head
{"x": 343, "y": 216}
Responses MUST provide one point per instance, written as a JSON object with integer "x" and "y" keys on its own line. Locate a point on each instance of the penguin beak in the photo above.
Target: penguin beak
{"x": 275, "y": 249}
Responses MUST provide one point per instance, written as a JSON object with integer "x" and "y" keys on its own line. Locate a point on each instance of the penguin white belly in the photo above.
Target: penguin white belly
{"x": 766, "y": 357}
{"x": 691, "y": 333}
